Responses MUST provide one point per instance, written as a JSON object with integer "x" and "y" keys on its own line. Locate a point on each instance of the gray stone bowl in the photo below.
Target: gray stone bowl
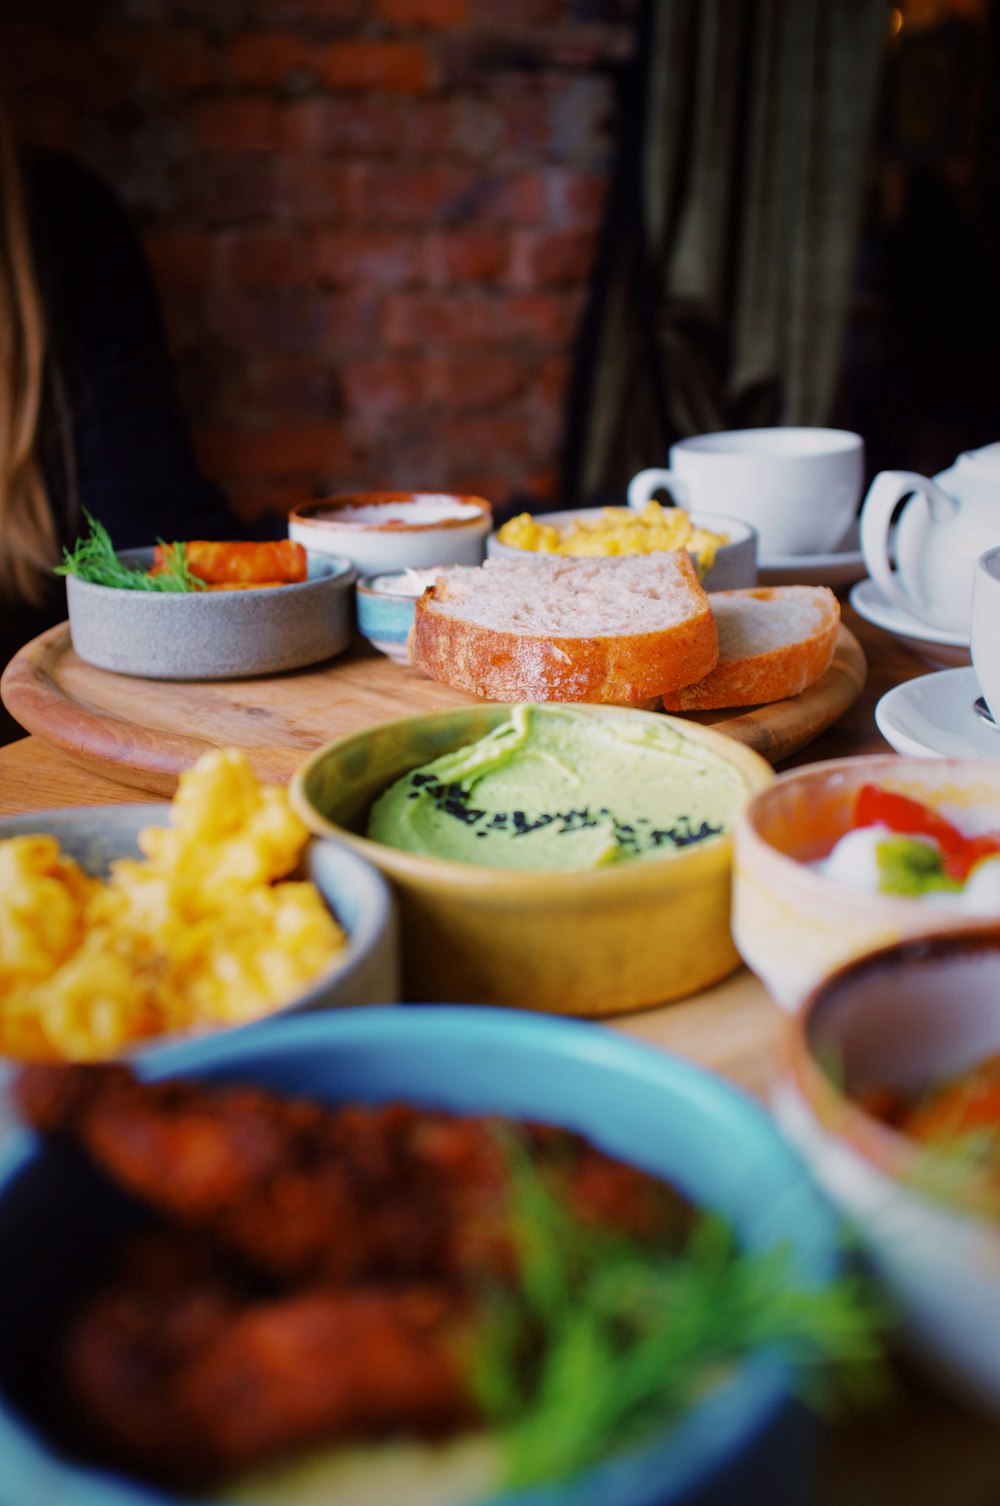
{"x": 213, "y": 635}
{"x": 735, "y": 564}
{"x": 365, "y": 972}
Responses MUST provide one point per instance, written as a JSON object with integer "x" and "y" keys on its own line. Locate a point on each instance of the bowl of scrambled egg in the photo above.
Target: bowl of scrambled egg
{"x": 121, "y": 926}
{"x": 724, "y": 550}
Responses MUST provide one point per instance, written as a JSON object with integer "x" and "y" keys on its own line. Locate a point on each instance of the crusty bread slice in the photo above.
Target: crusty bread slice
{"x": 617, "y": 630}
{"x": 773, "y": 643}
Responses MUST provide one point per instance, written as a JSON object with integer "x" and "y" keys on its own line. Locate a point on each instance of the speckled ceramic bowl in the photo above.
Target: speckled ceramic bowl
{"x": 793, "y": 925}
{"x": 604, "y": 942}
{"x": 735, "y": 563}
{"x": 904, "y": 1018}
{"x": 365, "y": 972}
{"x": 213, "y": 635}
{"x": 333, "y": 525}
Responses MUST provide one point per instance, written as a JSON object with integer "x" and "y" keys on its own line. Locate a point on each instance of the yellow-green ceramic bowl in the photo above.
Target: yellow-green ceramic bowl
{"x": 598, "y": 943}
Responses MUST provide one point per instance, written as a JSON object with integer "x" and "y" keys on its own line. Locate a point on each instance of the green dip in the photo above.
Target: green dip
{"x": 554, "y": 789}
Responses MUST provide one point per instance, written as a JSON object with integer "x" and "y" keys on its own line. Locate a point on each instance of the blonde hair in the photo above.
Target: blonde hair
{"x": 29, "y": 537}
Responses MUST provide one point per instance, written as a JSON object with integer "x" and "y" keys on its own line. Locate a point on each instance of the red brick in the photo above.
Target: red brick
{"x": 279, "y": 449}
{"x": 524, "y": 124}
{"x": 379, "y": 386}
{"x": 462, "y": 382}
{"x": 180, "y": 258}
{"x": 580, "y": 120}
{"x": 429, "y": 13}
{"x": 311, "y": 191}
{"x": 244, "y": 125}
{"x": 552, "y": 381}
{"x": 176, "y": 60}
{"x": 356, "y": 126}
{"x": 265, "y": 323}
{"x": 300, "y": 387}
{"x": 551, "y": 258}
{"x": 440, "y": 319}
{"x": 423, "y": 129}
{"x": 365, "y": 63}
{"x": 268, "y": 57}
{"x": 319, "y": 10}
{"x": 266, "y": 257}
{"x": 457, "y": 256}
{"x": 256, "y": 497}
{"x": 475, "y": 438}
{"x": 504, "y": 14}
{"x": 417, "y": 195}
{"x": 373, "y": 258}
{"x": 225, "y": 190}
{"x": 575, "y": 199}
{"x": 515, "y": 199}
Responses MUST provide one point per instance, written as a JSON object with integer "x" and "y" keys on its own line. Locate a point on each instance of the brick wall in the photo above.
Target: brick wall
{"x": 371, "y": 221}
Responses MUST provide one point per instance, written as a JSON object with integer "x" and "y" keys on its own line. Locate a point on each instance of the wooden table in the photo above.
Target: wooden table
{"x": 921, "y": 1447}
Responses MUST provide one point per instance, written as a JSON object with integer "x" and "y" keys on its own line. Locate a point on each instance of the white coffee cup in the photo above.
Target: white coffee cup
{"x": 986, "y": 627}
{"x": 799, "y": 488}
{"x": 945, "y": 524}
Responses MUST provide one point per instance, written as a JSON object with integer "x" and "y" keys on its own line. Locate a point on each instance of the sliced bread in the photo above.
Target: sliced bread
{"x": 773, "y": 643}
{"x": 616, "y": 630}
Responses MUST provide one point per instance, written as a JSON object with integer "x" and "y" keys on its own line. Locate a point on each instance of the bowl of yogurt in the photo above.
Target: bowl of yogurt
{"x": 386, "y": 604}
{"x": 388, "y": 531}
{"x": 840, "y": 858}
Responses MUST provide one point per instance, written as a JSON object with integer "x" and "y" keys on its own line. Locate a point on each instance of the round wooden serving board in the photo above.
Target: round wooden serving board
{"x": 147, "y": 732}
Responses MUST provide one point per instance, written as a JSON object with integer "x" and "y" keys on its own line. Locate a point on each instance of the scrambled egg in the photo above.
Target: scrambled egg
{"x": 196, "y": 934}
{"x": 617, "y": 530}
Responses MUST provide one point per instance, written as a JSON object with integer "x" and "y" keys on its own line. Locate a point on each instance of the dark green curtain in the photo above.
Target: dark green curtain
{"x": 724, "y": 270}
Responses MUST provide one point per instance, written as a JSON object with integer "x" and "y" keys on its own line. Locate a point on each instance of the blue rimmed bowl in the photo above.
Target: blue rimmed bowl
{"x": 386, "y": 605}
{"x": 747, "y": 1440}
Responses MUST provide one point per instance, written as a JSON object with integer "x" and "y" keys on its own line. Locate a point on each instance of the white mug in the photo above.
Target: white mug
{"x": 945, "y": 524}
{"x": 986, "y": 627}
{"x": 798, "y": 488}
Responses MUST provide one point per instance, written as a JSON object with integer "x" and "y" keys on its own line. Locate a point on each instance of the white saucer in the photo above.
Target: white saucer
{"x": 934, "y": 717}
{"x": 948, "y": 650}
{"x": 837, "y": 569}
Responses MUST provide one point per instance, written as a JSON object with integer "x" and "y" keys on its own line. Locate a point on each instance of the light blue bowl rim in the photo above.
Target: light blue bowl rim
{"x": 711, "y": 1434}
{"x": 327, "y": 567}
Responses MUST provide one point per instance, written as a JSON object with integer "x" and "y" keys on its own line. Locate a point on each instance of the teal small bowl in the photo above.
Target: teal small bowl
{"x": 385, "y": 617}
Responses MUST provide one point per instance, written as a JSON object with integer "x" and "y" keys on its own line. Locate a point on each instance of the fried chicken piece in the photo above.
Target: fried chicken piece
{"x": 273, "y": 562}
{"x": 189, "y": 1380}
{"x": 303, "y": 1191}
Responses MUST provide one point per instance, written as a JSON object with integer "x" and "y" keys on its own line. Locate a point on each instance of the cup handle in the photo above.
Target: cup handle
{"x": 645, "y": 483}
{"x": 885, "y": 494}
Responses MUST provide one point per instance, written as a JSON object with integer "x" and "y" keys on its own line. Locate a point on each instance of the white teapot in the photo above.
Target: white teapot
{"x": 944, "y": 526}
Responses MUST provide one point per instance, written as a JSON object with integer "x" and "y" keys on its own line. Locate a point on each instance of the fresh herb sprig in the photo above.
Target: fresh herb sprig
{"x": 606, "y": 1340}
{"x": 94, "y": 559}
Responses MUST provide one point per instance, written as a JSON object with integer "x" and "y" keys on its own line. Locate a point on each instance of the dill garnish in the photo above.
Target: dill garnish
{"x": 94, "y": 559}
{"x": 605, "y": 1340}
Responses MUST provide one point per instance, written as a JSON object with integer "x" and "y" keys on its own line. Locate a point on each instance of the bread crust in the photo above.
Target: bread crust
{"x": 780, "y": 672}
{"x": 613, "y": 669}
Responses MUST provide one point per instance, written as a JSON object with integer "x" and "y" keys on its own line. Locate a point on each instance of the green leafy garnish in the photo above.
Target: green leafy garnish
{"x": 94, "y": 559}
{"x": 606, "y": 1339}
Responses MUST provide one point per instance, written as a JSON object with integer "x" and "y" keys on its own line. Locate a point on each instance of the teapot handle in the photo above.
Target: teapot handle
{"x": 884, "y": 495}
